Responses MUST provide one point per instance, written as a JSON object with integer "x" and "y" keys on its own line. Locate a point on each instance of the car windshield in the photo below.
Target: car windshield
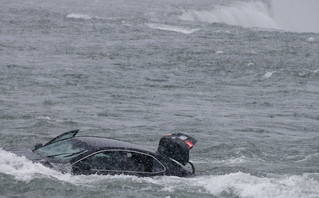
{"x": 64, "y": 150}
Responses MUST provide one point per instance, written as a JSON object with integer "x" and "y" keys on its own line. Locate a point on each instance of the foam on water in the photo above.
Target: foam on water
{"x": 268, "y": 74}
{"x": 238, "y": 184}
{"x": 23, "y": 169}
{"x": 171, "y": 28}
{"x": 311, "y": 39}
{"x": 246, "y": 185}
{"x": 20, "y": 167}
{"x": 79, "y": 16}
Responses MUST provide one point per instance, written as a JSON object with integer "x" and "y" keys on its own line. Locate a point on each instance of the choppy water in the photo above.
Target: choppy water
{"x": 242, "y": 77}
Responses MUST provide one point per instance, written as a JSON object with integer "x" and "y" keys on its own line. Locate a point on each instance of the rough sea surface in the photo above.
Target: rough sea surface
{"x": 242, "y": 77}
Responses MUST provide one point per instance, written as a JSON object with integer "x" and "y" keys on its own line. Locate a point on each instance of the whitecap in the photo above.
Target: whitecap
{"x": 79, "y": 16}
{"x": 236, "y": 184}
{"x": 250, "y": 64}
{"x": 219, "y": 52}
{"x": 246, "y": 185}
{"x": 311, "y": 39}
{"x": 309, "y": 157}
{"x": 240, "y": 185}
{"x": 253, "y": 14}
{"x": 268, "y": 74}
{"x": 20, "y": 167}
{"x": 172, "y": 28}
{"x": 44, "y": 118}
{"x": 276, "y": 15}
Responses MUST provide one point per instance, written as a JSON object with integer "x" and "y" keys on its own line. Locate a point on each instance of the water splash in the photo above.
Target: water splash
{"x": 253, "y": 14}
{"x": 234, "y": 184}
{"x": 289, "y": 15}
{"x": 21, "y": 168}
{"x": 246, "y": 185}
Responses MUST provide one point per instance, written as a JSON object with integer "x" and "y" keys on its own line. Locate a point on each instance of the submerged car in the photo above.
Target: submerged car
{"x": 97, "y": 155}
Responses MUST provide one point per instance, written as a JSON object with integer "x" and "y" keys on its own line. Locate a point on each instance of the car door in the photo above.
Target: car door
{"x": 115, "y": 161}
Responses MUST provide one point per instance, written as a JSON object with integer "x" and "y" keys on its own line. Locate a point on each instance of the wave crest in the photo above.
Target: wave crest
{"x": 247, "y": 15}
{"x": 235, "y": 184}
{"x": 79, "y": 16}
{"x": 289, "y": 15}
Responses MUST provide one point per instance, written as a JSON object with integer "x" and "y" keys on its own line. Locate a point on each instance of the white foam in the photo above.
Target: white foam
{"x": 44, "y": 118}
{"x": 238, "y": 184}
{"x": 20, "y": 167}
{"x": 309, "y": 157}
{"x": 242, "y": 185}
{"x": 245, "y": 185}
{"x": 219, "y": 52}
{"x": 172, "y": 28}
{"x": 311, "y": 39}
{"x": 268, "y": 74}
{"x": 79, "y": 16}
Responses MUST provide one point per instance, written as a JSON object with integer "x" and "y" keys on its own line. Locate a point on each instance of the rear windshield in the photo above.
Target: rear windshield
{"x": 64, "y": 150}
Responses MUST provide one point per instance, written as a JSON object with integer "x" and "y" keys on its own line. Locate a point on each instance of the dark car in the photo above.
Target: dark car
{"x": 97, "y": 155}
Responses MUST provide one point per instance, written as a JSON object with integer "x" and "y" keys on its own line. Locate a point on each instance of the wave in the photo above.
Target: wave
{"x": 234, "y": 184}
{"x": 246, "y": 185}
{"x": 268, "y": 74}
{"x": 21, "y": 168}
{"x": 288, "y": 15}
{"x": 79, "y": 16}
{"x": 171, "y": 28}
{"x": 254, "y": 14}
{"x": 157, "y": 26}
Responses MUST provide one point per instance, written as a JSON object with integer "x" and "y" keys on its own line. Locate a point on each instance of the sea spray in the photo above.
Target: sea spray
{"x": 234, "y": 184}
{"x": 288, "y": 15}
{"x": 252, "y": 14}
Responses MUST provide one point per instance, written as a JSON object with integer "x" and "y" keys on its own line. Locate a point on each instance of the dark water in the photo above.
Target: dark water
{"x": 238, "y": 76}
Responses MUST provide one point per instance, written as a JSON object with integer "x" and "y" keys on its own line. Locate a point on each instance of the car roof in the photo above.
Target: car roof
{"x": 100, "y": 143}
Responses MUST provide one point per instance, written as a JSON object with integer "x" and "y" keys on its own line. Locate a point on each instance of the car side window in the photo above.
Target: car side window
{"x": 125, "y": 161}
{"x": 64, "y": 150}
